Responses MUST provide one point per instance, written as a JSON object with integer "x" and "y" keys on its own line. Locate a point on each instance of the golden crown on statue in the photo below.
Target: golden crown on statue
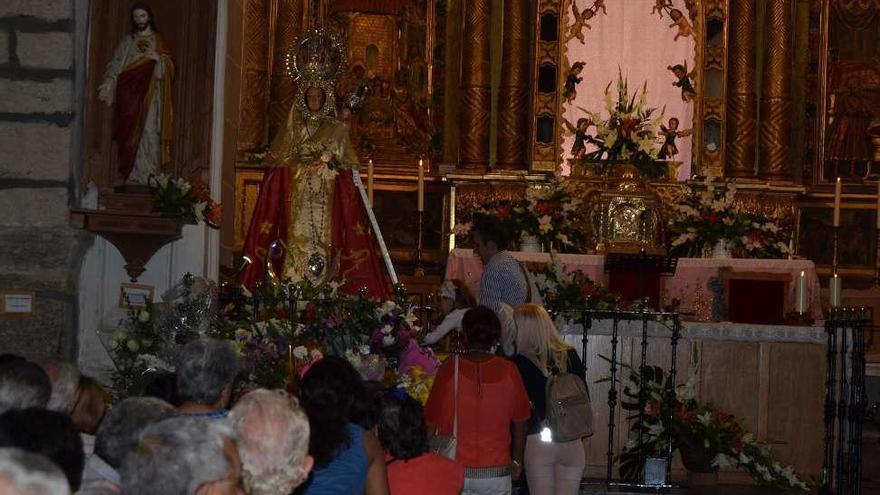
{"x": 317, "y": 55}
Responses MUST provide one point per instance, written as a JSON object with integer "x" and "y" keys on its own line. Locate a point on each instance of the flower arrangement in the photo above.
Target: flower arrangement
{"x": 417, "y": 383}
{"x": 765, "y": 239}
{"x": 135, "y": 349}
{"x": 394, "y": 329}
{"x": 629, "y": 132}
{"x": 704, "y": 217}
{"x": 549, "y": 213}
{"x": 565, "y": 291}
{"x": 707, "y": 438}
{"x": 177, "y": 197}
{"x": 277, "y": 335}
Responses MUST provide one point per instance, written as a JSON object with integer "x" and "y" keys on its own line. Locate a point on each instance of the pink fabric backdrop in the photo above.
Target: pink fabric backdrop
{"x": 642, "y": 45}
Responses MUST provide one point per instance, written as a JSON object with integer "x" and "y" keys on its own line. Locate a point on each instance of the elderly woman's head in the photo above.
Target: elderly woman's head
{"x": 184, "y": 455}
{"x": 119, "y": 432}
{"x": 23, "y": 384}
{"x": 206, "y": 369}
{"x": 273, "y": 441}
{"x": 24, "y": 472}
{"x": 481, "y": 328}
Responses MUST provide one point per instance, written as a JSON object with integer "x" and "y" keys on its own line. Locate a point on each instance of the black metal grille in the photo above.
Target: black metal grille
{"x": 845, "y": 400}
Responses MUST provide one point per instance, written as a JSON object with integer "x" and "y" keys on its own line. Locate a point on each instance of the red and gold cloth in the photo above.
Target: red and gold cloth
{"x": 136, "y": 87}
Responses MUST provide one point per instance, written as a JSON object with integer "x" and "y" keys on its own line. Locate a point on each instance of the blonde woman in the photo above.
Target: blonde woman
{"x": 552, "y": 468}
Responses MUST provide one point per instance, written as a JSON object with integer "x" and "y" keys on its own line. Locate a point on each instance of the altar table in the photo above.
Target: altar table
{"x": 690, "y": 284}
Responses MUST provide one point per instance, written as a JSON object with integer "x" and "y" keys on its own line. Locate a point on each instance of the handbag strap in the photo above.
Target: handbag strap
{"x": 455, "y": 400}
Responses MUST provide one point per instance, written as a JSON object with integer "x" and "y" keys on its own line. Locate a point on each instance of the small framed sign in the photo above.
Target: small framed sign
{"x": 135, "y": 295}
{"x": 17, "y": 303}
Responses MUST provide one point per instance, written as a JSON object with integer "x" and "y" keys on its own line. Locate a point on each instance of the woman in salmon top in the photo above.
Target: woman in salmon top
{"x": 492, "y": 408}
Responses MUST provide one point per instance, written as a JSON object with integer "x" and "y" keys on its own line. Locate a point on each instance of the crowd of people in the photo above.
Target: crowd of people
{"x": 339, "y": 434}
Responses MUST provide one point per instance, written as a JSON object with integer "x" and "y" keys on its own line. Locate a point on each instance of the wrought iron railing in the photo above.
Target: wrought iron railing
{"x": 845, "y": 400}
{"x": 669, "y": 321}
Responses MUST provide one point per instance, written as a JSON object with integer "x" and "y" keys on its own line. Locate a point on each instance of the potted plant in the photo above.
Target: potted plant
{"x": 707, "y": 438}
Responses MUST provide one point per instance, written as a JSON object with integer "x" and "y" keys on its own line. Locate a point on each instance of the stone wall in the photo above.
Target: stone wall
{"x": 39, "y": 251}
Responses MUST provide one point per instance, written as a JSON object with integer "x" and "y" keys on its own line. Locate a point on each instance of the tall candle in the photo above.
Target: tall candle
{"x": 837, "y": 203}
{"x": 421, "y": 186}
{"x": 370, "y": 182}
{"x": 802, "y": 293}
{"x": 834, "y": 289}
{"x": 878, "y": 204}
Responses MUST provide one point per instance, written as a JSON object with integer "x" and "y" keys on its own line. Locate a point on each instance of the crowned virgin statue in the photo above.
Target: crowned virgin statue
{"x": 308, "y": 202}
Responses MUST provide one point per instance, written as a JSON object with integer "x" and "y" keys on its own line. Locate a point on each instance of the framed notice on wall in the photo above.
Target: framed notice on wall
{"x": 135, "y": 295}
{"x": 17, "y": 303}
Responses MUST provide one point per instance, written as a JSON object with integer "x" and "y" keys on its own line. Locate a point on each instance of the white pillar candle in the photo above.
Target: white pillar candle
{"x": 837, "y": 203}
{"x": 421, "y": 197}
{"x": 802, "y": 293}
{"x": 370, "y": 182}
{"x": 834, "y": 289}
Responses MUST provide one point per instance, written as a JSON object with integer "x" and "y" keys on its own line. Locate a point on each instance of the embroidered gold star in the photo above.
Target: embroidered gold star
{"x": 265, "y": 227}
{"x": 359, "y": 229}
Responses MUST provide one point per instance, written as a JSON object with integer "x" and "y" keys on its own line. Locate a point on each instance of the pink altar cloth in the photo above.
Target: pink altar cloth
{"x": 689, "y": 284}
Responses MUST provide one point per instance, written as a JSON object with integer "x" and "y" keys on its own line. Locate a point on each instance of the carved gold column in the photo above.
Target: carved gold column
{"x": 254, "y": 97}
{"x": 513, "y": 93}
{"x": 287, "y": 26}
{"x": 741, "y": 96}
{"x": 776, "y": 97}
{"x": 475, "y": 86}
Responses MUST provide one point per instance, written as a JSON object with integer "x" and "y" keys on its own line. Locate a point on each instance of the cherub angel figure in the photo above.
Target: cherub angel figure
{"x": 569, "y": 92}
{"x": 680, "y": 20}
{"x": 683, "y": 80}
{"x": 669, "y": 150}
{"x": 581, "y": 17}
{"x": 581, "y": 138}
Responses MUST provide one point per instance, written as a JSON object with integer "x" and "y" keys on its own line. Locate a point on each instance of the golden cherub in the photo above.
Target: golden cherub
{"x": 581, "y": 17}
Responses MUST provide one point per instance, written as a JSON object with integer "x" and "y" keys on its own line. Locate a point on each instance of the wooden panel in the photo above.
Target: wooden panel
{"x": 730, "y": 379}
{"x": 794, "y": 413}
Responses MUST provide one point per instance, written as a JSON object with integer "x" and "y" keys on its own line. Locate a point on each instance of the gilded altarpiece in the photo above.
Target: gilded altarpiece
{"x": 390, "y": 57}
{"x": 850, "y": 99}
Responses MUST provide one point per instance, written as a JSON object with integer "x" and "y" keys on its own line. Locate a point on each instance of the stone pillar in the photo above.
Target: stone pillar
{"x": 513, "y": 93}
{"x": 288, "y": 25}
{"x": 741, "y": 95}
{"x": 776, "y": 98}
{"x": 475, "y": 86}
{"x": 39, "y": 251}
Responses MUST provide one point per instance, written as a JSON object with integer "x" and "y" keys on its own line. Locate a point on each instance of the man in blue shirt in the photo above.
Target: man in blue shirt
{"x": 504, "y": 279}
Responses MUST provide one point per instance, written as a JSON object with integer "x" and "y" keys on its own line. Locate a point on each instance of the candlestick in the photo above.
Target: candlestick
{"x": 290, "y": 359}
{"x": 370, "y": 182}
{"x": 837, "y": 190}
{"x": 421, "y": 202}
{"x": 834, "y": 285}
{"x": 420, "y": 271}
{"x": 802, "y": 294}
{"x": 878, "y": 204}
{"x": 877, "y": 258}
